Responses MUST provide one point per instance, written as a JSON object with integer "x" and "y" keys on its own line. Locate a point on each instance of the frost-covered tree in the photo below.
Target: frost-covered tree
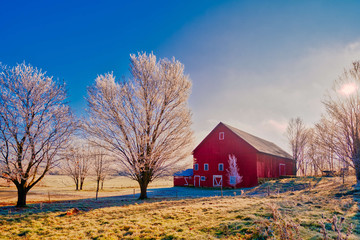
{"x": 35, "y": 124}
{"x": 77, "y": 162}
{"x": 145, "y": 120}
{"x": 342, "y": 119}
{"x": 314, "y": 154}
{"x": 296, "y": 133}
{"x": 233, "y": 171}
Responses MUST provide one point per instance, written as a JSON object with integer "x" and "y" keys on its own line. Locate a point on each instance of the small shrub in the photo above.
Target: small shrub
{"x": 337, "y": 226}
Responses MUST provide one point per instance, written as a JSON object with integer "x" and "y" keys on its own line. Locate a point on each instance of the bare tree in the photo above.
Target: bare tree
{"x": 145, "y": 121}
{"x": 296, "y": 133}
{"x": 102, "y": 167}
{"x": 233, "y": 171}
{"x": 35, "y": 124}
{"x": 342, "y": 119}
{"x": 314, "y": 153}
{"x": 78, "y": 160}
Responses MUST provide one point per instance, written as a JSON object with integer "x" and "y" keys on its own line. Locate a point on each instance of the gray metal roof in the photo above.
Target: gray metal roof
{"x": 259, "y": 144}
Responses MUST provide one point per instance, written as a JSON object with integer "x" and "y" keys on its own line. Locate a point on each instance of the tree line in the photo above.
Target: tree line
{"x": 333, "y": 143}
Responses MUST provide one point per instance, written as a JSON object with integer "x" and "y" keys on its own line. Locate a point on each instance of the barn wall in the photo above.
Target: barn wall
{"x": 214, "y": 151}
{"x": 268, "y": 166}
{"x": 183, "y": 181}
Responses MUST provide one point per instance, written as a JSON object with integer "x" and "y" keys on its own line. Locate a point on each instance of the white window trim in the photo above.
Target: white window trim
{"x": 207, "y": 167}
{"x": 221, "y": 135}
{"x": 197, "y": 167}
{"x": 232, "y": 182}
{"x": 203, "y": 178}
{"x": 222, "y": 167}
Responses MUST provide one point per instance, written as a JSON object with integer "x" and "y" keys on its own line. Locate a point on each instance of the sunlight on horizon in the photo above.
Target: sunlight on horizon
{"x": 348, "y": 88}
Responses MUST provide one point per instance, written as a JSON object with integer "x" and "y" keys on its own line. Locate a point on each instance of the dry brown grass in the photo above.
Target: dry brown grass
{"x": 203, "y": 218}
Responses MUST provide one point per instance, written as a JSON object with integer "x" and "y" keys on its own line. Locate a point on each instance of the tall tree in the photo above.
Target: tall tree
{"x": 35, "y": 124}
{"x": 314, "y": 153}
{"x": 297, "y": 135}
{"x": 78, "y": 161}
{"x": 145, "y": 120}
{"x": 342, "y": 119}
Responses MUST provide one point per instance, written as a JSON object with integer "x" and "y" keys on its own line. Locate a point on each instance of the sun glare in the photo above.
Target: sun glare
{"x": 348, "y": 88}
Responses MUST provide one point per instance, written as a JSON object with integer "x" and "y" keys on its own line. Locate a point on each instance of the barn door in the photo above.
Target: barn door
{"x": 282, "y": 169}
{"x": 196, "y": 181}
{"x": 217, "y": 180}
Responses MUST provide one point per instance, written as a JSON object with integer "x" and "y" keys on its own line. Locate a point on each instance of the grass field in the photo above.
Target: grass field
{"x": 61, "y": 187}
{"x": 295, "y": 205}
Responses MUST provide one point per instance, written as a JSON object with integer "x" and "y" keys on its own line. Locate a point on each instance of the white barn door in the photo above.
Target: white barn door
{"x": 217, "y": 180}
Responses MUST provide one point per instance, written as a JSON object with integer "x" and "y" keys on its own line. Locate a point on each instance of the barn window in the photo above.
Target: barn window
{"x": 196, "y": 166}
{"x": 221, "y": 167}
{"x": 221, "y": 135}
{"x": 203, "y": 178}
{"x": 206, "y": 167}
{"x": 232, "y": 180}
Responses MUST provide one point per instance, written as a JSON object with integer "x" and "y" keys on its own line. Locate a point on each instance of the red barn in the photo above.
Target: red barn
{"x": 256, "y": 158}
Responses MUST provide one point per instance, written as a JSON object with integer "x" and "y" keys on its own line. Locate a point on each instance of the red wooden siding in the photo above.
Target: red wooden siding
{"x": 183, "y": 181}
{"x": 269, "y": 166}
{"x": 214, "y": 151}
{"x": 252, "y": 163}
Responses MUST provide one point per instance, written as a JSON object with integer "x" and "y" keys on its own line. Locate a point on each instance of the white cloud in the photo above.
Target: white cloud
{"x": 278, "y": 126}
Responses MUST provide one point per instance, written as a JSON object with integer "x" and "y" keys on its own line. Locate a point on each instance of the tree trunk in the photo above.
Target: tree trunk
{"x": 81, "y": 185}
{"x": 357, "y": 172}
{"x": 143, "y": 188}
{"x": 102, "y": 184}
{"x": 97, "y": 188}
{"x": 22, "y": 192}
{"x": 356, "y": 161}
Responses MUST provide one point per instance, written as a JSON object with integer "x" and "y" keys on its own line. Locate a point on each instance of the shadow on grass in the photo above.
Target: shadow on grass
{"x": 87, "y": 204}
{"x": 279, "y": 186}
{"x": 155, "y": 195}
{"x": 356, "y": 217}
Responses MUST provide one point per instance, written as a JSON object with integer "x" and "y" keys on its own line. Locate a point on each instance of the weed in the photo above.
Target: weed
{"x": 337, "y": 226}
{"x": 279, "y": 226}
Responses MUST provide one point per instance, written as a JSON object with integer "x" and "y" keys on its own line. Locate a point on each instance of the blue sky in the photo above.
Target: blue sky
{"x": 254, "y": 64}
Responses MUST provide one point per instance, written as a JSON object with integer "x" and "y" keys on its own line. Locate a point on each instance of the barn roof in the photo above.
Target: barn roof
{"x": 185, "y": 173}
{"x": 260, "y": 144}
